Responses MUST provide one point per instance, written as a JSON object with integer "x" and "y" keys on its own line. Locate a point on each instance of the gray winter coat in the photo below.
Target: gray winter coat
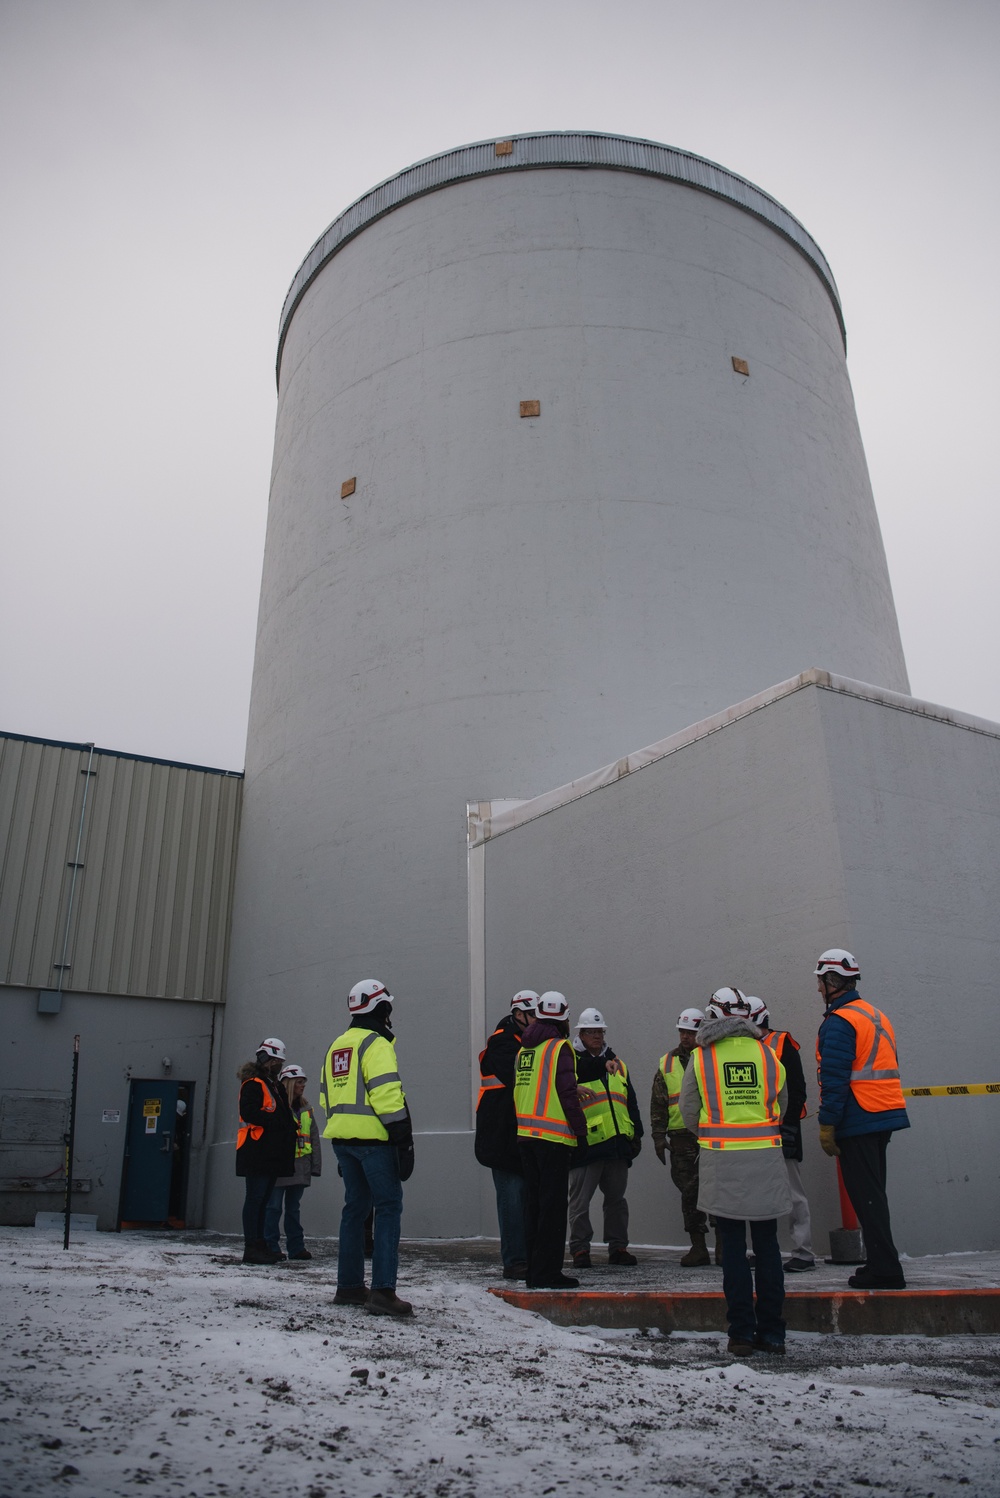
{"x": 306, "y": 1166}
{"x": 751, "y": 1185}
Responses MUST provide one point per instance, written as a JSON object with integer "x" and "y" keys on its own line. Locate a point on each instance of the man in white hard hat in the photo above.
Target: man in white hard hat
{"x": 614, "y": 1131}
{"x": 496, "y": 1129}
{"x": 786, "y": 1048}
{"x": 550, "y": 1126}
{"x": 669, "y": 1133}
{"x": 369, "y": 1123}
{"x": 861, "y": 1104}
{"x": 265, "y": 1143}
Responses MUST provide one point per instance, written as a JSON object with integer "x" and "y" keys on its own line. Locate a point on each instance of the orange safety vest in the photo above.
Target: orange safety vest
{"x": 540, "y": 1114}
{"x": 738, "y": 1110}
{"x": 256, "y": 1130}
{"x": 491, "y": 1083}
{"x": 776, "y": 1040}
{"x": 875, "y": 1074}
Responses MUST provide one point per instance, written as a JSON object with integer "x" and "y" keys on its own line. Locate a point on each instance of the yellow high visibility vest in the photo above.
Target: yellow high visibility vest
{"x": 673, "y": 1076}
{"x": 607, "y": 1116}
{"x": 303, "y": 1134}
{"x": 360, "y": 1091}
{"x": 739, "y": 1080}
{"x": 539, "y": 1112}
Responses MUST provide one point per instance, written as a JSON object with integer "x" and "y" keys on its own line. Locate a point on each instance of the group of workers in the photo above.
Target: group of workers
{"x": 557, "y": 1119}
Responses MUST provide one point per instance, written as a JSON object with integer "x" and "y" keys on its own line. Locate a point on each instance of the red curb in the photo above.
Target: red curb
{"x": 928, "y": 1313}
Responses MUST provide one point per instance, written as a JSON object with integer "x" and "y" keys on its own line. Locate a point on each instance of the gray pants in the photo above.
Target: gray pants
{"x": 612, "y": 1177}
{"x": 799, "y": 1223}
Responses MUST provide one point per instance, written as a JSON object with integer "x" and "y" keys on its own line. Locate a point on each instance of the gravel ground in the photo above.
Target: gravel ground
{"x": 159, "y": 1362}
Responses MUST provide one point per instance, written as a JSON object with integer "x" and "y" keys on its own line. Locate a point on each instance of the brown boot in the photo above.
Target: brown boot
{"x": 697, "y": 1254}
{"x": 387, "y": 1303}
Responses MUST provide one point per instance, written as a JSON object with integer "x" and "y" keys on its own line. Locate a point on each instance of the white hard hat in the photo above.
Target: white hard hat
{"x": 552, "y": 1005}
{"x": 690, "y": 1019}
{"x": 291, "y": 1073}
{"x": 837, "y": 961}
{"x": 728, "y": 1003}
{"x": 526, "y": 999}
{"x": 182, "y": 1107}
{"x": 364, "y": 996}
{"x": 273, "y": 1048}
{"x": 758, "y": 1012}
{"x": 591, "y": 1019}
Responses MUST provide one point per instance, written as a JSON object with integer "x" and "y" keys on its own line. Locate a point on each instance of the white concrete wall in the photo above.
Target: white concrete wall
{"x": 822, "y": 819}
{"x": 505, "y": 603}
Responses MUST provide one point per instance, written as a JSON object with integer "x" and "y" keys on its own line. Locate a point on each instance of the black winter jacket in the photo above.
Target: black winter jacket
{"x": 795, "y": 1081}
{"x": 593, "y": 1069}
{"x": 496, "y": 1122}
{"x": 273, "y": 1154}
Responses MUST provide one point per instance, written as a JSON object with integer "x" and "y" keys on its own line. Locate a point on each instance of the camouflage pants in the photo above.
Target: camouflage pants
{"x": 684, "y": 1149}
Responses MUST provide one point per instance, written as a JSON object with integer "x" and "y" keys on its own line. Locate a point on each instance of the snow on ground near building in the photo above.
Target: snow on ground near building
{"x": 159, "y": 1362}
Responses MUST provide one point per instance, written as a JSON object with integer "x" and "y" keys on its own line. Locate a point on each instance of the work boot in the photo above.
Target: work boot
{"x": 257, "y": 1252}
{"x": 303, "y": 1253}
{"x": 581, "y": 1259}
{"x": 621, "y": 1256}
{"x": 387, "y": 1303}
{"x": 740, "y": 1349}
{"x": 515, "y": 1272}
{"x": 356, "y": 1295}
{"x": 697, "y": 1254}
{"x": 560, "y": 1282}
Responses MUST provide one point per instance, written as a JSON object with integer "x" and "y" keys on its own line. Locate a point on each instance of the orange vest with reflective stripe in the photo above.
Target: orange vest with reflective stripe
{"x": 268, "y": 1105}
{"x": 739, "y": 1080}
{"x": 491, "y": 1083}
{"x": 875, "y": 1074}
{"x": 540, "y": 1113}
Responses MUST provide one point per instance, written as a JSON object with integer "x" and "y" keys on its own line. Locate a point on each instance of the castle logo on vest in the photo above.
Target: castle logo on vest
{"x": 740, "y": 1073}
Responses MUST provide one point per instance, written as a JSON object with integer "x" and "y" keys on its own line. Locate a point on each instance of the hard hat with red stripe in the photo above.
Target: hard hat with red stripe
{"x": 292, "y": 1074}
{"x": 690, "y": 1019}
{"x": 758, "y": 1012}
{"x": 839, "y": 962}
{"x": 367, "y": 995}
{"x": 275, "y": 1049}
{"x": 526, "y": 999}
{"x": 552, "y": 1005}
{"x": 728, "y": 1003}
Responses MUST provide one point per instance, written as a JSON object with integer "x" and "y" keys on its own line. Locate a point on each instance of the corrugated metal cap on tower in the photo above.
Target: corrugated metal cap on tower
{"x": 552, "y": 149}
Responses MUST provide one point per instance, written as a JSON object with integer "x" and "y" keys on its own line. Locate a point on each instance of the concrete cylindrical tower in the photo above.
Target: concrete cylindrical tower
{"x": 506, "y": 601}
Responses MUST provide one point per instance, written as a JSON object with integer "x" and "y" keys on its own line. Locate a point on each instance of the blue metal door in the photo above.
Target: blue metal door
{"x": 152, "y": 1114}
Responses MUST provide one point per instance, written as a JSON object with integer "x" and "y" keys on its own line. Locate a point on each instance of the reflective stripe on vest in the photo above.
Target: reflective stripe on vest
{"x": 875, "y": 1074}
{"x": 268, "y": 1104}
{"x": 540, "y": 1114}
{"x": 739, "y": 1080}
{"x": 607, "y": 1116}
{"x": 348, "y": 1095}
{"x": 776, "y": 1040}
{"x": 491, "y": 1083}
{"x": 303, "y": 1134}
{"x": 673, "y": 1077}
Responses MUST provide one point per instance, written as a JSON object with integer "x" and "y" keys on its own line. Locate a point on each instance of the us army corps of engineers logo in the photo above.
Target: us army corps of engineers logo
{"x": 740, "y": 1074}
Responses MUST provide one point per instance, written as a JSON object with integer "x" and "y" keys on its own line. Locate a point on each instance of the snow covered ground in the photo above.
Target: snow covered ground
{"x": 146, "y": 1361}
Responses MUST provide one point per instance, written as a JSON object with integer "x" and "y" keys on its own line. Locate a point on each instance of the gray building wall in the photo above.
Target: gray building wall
{"x": 132, "y": 891}
{"x": 830, "y": 815}
{"x": 503, "y": 603}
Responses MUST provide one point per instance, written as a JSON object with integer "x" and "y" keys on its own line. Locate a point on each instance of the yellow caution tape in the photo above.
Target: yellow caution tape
{"x": 966, "y": 1091}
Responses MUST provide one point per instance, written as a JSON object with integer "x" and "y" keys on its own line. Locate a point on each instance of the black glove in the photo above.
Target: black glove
{"x": 405, "y": 1159}
{"x": 789, "y": 1139}
{"x": 636, "y": 1147}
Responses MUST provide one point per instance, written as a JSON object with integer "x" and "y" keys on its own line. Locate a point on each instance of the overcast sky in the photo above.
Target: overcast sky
{"x": 166, "y": 165}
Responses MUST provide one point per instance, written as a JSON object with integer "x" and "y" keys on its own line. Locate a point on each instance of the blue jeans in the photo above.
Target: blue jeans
{"x": 258, "y": 1190}
{"x": 371, "y": 1180}
{"x": 746, "y": 1321}
{"x": 295, "y": 1239}
{"x": 510, "y": 1212}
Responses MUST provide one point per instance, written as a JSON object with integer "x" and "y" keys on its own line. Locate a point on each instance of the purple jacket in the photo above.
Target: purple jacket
{"x": 543, "y": 1029}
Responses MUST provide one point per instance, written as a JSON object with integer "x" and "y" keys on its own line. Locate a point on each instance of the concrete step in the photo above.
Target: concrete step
{"x": 927, "y": 1313}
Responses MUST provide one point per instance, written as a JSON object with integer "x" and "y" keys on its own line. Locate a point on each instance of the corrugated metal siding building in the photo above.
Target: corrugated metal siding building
{"x": 116, "y": 879}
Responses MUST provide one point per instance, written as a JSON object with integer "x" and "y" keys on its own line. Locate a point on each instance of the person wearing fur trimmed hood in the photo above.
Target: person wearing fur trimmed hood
{"x": 733, "y": 1097}
{"x": 288, "y": 1190}
{"x": 265, "y": 1143}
